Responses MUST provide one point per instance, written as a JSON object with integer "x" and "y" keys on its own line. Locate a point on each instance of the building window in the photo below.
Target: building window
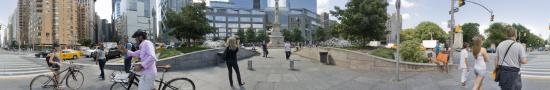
{"x": 209, "y": 17}
{"x": 257, "y": 19}
{"x": 257, "y": 26}
{"x": 245, "y": 25}
{"x": 232, "y": 25}
{"x": 220, "y": 25}
{"x": 232, "y": 19}
{"x": 245, "y": 19}
{"x": 220, "y": 18}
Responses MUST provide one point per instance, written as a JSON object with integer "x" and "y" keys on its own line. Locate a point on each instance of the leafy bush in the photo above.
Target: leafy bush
{"x": 412, "y": 51}
{"x": 168, "y": 53}
{"x": 190, "y": 49}
{"x": 383, "y": 52}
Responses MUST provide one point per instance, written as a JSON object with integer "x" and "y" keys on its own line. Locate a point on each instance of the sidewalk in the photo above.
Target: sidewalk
{"x": 273, "y": 74}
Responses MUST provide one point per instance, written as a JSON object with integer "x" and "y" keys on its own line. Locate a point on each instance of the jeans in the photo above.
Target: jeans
{"x": 230, "y": 66}
{"x": 101, "y": 67}
{"x": 127, "y": 64}
{"x": 287, "y": 55}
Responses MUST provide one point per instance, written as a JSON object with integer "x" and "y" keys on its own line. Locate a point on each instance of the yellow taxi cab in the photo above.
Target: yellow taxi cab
{"x": 70, "y": 54}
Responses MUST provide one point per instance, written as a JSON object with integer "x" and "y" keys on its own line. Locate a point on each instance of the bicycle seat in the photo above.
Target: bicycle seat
{"x": 165, "y": 67}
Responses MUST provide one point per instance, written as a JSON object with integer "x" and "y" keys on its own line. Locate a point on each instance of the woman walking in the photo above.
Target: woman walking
{"x": 101, "y": 59}
{"x": 231, "y": 59}
{"x": 480, "y": 57}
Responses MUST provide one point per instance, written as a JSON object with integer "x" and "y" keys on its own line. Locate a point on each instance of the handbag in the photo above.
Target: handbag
{"x": 496, "y": 72}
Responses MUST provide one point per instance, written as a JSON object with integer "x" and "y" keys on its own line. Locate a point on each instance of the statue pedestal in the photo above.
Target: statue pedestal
{"x": 276, "y": 41}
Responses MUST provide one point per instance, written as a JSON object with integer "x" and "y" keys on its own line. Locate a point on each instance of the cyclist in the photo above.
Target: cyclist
{"x": 146, "y": 53}
{"x": 54, "y": 64}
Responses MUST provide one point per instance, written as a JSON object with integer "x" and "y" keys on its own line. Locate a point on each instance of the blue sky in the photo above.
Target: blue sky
{"x": 533, "y": 14}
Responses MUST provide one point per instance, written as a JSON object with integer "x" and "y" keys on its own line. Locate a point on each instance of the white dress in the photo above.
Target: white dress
{"x": 480, "y": 66}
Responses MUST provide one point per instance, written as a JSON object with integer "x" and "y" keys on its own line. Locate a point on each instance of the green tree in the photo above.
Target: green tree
{"x": 495, "y": 34}
{"x": 407, "y": 34}
{"x": 240, "y": 34}
{"x": 469, "y": 30}
{"x": 251, "y": 35}
{"x": 525, "y": 36}
{"x": 426, "y": 30}
{"x": 85, "y": 42}
{"x": 297, "y": 35}
{"x": 412, "y": 51}
{"x": 321, "y": 34}
{"x": 189, "y": 24}
{"x": 262, "y": 36}
{"x": 287, "y": 35}
{"x": 362, "y": 19}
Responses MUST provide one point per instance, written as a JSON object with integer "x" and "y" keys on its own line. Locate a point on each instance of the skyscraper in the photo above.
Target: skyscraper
{"x": 130, "y": 16}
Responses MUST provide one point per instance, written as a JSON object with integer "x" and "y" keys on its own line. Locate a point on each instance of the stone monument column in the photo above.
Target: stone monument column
{"x": 276, "y": 38}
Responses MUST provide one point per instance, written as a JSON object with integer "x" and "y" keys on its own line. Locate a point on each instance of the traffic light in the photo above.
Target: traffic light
{"x": 458, "y": 29}
{"x": 461, "y": 3}
{"x": 492, "y": 17}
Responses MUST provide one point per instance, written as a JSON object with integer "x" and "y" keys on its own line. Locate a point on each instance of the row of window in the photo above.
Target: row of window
{"x": 235, "y": 19}
{"x": 235, "y": 25}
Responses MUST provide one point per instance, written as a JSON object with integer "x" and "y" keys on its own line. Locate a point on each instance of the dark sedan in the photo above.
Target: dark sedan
{"x": 42, "y": 54}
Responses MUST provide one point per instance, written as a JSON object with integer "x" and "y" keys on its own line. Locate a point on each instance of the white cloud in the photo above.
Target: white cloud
{"x": 103, "y": 9}
{"x": 404, "y": 3}
{"x": 406, "y": 16}
{"x": 443, "y": 25}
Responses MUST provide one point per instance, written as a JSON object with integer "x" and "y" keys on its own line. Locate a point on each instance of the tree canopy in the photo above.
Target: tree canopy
{"x": 469, "y": 30}
{"x": 364, "y": 20}
{"x": 190, "y": 23}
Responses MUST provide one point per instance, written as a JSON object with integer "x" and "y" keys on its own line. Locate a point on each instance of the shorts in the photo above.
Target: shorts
{"x": 479, "y": 72}
{"x": 147, "y": 82}
{"x": 55, "y": 67}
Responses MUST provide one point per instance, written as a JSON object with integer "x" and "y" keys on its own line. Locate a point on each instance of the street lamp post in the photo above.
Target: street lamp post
{"x": 397, "y": 55}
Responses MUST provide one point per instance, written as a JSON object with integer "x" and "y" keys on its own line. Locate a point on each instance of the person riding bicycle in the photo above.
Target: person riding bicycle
{"x": 146, "y": 53}
{"x": 54, "y": 63}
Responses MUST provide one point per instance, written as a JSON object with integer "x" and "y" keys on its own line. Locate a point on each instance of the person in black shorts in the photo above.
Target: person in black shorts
{"x": 53, "y": 62}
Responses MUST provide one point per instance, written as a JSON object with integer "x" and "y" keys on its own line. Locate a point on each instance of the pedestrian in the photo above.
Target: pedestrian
{"x": 101, "y": 60}
{"x": 127, "y": 58}
{"x": 147, "y": 67}
{"x": 231, "y": 59}
{"x": 510, "y": 56}
{"x": 264, "y": 48}
{"x": 288, "y": 48}
{"x": 463, "y": 64}
{"x": 480, "y": 58}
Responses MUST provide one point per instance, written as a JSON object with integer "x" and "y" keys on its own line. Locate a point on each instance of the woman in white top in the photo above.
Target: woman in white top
{"x": 480, "y": 57}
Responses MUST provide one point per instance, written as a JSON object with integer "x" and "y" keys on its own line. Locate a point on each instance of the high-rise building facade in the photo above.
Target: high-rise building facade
{"x": 86, "y": 19}
{"x": 166, "y": 5}
{"x": 130, "y": 16}
{"x": 49, "y": 16}
{"x": 23, "y": 16}
{"x": 227, "y": 18}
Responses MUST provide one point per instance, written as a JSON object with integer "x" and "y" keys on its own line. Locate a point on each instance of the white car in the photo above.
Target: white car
{"x": 88, "y": 52}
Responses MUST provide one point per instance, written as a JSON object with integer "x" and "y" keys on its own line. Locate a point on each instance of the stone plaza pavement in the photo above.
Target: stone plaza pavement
{"x": 273, "y": 73}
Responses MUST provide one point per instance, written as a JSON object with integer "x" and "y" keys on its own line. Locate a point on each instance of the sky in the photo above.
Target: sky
{"x": 532, "y": 14}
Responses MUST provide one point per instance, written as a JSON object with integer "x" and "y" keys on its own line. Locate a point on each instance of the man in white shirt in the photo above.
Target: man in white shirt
{"x": 510, "y": 56}
{"x": 463, "y": 64}
{"x": 288, "y": 48}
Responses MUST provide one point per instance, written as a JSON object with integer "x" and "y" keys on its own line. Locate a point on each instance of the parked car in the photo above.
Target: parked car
{"x": 70, "y": 54}
{"x": 43, "y": 54}
{"x": 112, "y": 52}
{"x": 88, "y": 52}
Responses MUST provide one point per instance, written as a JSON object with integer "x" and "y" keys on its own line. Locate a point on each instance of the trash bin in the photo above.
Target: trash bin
{"x": 323, "y": 57}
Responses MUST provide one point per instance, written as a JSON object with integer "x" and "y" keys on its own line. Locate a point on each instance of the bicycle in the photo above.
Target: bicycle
{"x": 125, "y": 82}
{"x": 72, "y": 74}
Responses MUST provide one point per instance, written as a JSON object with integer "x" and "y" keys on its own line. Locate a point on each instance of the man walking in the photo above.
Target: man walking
{"x": 147, "y": 66}
{"x": 127, "y": 58}
{"x": 510, "y": 56}
{"x": 288, "y": 48}
{"x": 264, "y": 48}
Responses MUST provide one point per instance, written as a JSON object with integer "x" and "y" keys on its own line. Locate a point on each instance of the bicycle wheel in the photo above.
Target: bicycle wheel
{"x": 116, "y": 73}
{"x": 123, "y": 86}
{"x": 42, "y": 82}
{"x": 75, "y": 80}
{"x": 179, "y": 84}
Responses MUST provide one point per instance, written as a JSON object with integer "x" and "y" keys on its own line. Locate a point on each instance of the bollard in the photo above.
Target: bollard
{"x": 292, "y": 64}
{"x": 250, "y": 65}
